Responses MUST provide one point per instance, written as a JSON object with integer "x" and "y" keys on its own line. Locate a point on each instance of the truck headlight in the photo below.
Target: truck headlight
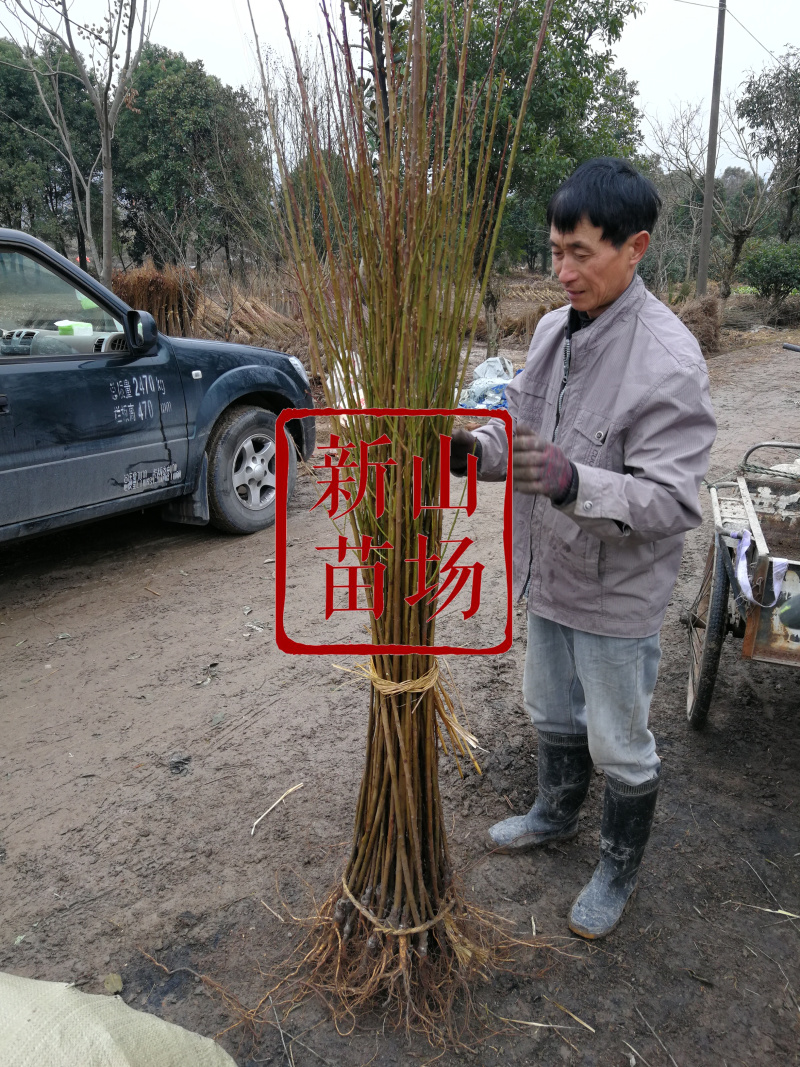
{"x": 298, "y": 366}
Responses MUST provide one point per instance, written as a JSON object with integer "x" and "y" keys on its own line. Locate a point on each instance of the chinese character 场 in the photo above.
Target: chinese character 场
{"x": 456, "y": 576}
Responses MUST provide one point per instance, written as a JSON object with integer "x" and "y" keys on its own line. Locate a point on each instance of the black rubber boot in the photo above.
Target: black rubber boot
{"x": 627, "y": 819}
{"x": 565, "y": 770}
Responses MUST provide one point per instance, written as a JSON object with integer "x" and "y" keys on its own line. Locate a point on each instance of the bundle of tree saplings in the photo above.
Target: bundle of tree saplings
{"x": 388, "y": 308}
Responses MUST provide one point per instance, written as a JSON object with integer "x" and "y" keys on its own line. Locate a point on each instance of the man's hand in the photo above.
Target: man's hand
{"x": 540, "y": 466}
{"x": 462, "y": 444}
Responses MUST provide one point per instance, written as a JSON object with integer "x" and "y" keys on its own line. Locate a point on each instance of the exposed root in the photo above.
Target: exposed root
{"x": 427, "y": 983}
{"x": 423, "y": 981}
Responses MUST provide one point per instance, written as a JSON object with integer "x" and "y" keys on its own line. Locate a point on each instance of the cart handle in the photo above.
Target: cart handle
{"x": 770, "y": 444}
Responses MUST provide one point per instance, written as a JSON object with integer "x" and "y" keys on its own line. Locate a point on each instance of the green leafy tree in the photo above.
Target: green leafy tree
{"x": 27, "y": 160}
{"x": 190, "y": 159}
{"x": 102, "y": 58}
{"x": 609, "y": 127}
{"x": 582, "y": 106}
{"x": 770, "y": 105}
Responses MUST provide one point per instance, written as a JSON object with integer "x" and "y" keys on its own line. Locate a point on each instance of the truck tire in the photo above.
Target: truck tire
{"x": 241, "y": 470}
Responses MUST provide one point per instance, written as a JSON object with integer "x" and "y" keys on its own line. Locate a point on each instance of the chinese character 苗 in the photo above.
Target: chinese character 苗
{"x": 457, "y": 576}
{"x": 444, "y": 483}
{"x": 334, "y": 488}
{"x": 352, "y": 585}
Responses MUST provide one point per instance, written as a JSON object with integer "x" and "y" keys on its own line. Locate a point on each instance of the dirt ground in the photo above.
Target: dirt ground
{"x": 132, "y": 650}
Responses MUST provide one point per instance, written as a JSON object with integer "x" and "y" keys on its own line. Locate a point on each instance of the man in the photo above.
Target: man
{"x": 613, "y": 429}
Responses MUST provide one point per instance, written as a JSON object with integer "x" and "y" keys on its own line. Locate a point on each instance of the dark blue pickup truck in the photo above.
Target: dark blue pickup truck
{"x": 100, "y": 413}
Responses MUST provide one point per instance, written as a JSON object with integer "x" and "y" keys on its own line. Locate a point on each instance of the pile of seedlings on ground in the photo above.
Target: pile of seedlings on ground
{"x": 185, "y": 304}
{"x": 748, "y": 312}
{"x": 170, "y": 295}
{"x": 523, "y": 303}
{"x": 703, "y": 317}
{"x": 247, "y": 320}
{"x": 738, "y": 322}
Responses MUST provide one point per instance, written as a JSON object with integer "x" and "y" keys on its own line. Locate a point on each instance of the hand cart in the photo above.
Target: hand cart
{"x": 752, "y": 570}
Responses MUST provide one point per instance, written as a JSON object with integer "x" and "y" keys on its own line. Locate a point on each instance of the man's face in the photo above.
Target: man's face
{"x": 593, "y": 272}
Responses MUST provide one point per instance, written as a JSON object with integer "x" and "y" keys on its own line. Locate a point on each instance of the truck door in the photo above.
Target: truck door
{"x": 82, "y": 420}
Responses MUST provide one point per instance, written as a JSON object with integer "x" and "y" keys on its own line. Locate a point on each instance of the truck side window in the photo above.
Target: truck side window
{"x": 43, "y": 314}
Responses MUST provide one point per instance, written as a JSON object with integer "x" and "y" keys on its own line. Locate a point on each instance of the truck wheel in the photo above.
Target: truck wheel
{"x": 241, "y": 470}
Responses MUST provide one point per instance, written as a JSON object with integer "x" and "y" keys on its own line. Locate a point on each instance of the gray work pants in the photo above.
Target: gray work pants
{"x": 581, "y": 683}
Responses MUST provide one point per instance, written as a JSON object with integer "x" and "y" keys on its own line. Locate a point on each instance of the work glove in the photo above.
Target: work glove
{"x": 462, "y": 444}
{"x": 541, "y": 467}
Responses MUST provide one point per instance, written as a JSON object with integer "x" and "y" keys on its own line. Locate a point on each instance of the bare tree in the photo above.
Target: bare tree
{"x": 105, "y": 55}
{"x": 682, "y": 145}
{"x": 668, "y": 251}
{"x": 671, "y": 258}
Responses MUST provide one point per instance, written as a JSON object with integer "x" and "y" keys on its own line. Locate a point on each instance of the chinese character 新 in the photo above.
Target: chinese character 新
{"x": 335, "y": 487}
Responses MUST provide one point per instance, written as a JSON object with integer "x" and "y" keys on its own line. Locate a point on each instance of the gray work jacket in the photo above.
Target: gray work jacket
{"x": 637, "y": 422}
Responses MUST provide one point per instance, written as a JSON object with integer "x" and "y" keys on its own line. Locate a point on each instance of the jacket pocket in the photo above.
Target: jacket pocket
{"x": 533, "y": 403}
{"x": 590, "y": 438}
{"x": 574, "y": 550}
{"x": 627, "y": 575}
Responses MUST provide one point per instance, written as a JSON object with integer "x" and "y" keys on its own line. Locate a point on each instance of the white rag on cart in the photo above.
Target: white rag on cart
{"x": 779, "y": 568}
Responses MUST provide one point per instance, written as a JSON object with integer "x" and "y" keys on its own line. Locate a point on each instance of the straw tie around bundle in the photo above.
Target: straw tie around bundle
{"x": 389, "y": 688}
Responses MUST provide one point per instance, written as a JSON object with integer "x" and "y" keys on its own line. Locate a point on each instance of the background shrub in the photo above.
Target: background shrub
{"x": 773, "y": 269}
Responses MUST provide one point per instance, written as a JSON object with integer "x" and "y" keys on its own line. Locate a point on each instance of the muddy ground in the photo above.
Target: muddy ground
{"x": 107, "y": 637}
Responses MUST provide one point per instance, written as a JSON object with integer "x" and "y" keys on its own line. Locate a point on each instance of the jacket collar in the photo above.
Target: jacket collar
{"x": 621, "y": 309}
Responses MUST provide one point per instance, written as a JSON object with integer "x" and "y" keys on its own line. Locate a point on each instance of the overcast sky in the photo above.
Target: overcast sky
{"x": 669, "y": 50}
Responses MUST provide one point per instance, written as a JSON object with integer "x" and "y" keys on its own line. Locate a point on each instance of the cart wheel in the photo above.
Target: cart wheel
{"x": 708, "y": 625}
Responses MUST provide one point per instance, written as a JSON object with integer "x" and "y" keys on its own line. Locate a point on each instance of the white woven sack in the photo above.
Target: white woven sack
{"x": 49, "y": 1024}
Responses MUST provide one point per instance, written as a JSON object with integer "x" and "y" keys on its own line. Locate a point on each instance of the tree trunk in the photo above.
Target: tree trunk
{"x": 531, "y": 252}
{"x": 786, "y": 224}
{"x": 226, "y": 244}
{"x": 690, "y": 257}
{"x": 108, "y": 209}
{"x": 787, "y": 221}
{"x": 737, "y": 244}
{"x": 81, "y": 244}
{"x": 491, "y": 302}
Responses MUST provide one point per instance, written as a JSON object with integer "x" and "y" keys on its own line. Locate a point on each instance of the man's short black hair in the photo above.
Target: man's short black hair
{"x": 612, "y": 194}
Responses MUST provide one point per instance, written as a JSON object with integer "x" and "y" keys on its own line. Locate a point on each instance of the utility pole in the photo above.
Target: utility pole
{"x": 711, "y": 161}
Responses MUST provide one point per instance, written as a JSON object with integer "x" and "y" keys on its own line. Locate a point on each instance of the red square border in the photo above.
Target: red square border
{"x": 282, "y": 445}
